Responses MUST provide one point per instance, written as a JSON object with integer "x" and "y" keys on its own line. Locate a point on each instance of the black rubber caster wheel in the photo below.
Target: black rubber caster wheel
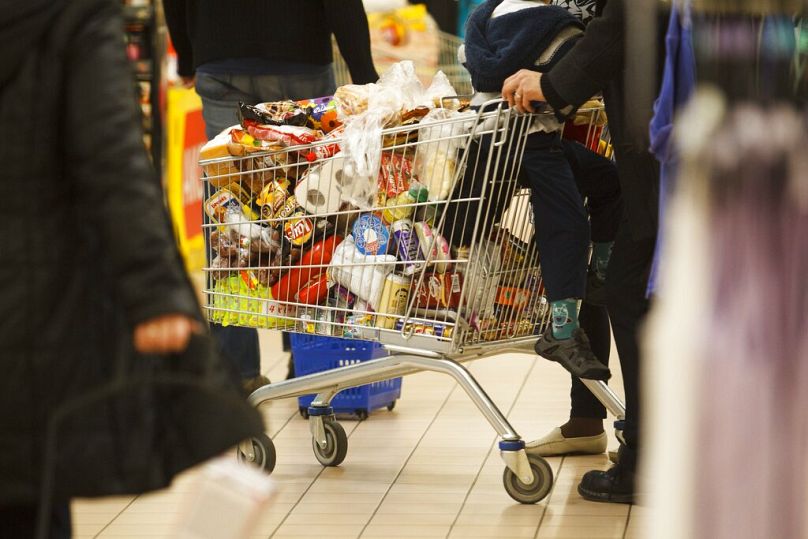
{"x": 391, "y": 406}
{"x": 264, "y": 453}
{"x": 304, "y": 412}
{"x": 537, "y": 489}
{"x": 336, "y": 446}
{"x": 362, "y": 414}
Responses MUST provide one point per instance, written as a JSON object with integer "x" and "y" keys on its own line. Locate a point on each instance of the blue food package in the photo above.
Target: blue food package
{"x": 371, "y": 235}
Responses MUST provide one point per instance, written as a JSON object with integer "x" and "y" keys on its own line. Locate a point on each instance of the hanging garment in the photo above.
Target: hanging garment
{"x": 678, "y": 84}
{"x": 735, "y": 292}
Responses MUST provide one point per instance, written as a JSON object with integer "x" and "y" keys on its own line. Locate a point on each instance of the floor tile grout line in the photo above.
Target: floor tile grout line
{"x": 549, "y": 494}
{"x": 628, "y": 519}
{"x": 482, "y": 466}
{"x": 127, "y": 506}
{"x": 409, "y": 457}
{"x": 303, "y": 495}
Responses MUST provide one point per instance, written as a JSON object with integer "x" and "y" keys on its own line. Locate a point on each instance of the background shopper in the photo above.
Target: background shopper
{"x": 94, "y": 286}
{"x": 257, "y": 51}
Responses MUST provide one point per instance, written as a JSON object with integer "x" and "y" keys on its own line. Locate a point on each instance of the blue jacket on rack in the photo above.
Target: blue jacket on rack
{"x": 533, "y": 38}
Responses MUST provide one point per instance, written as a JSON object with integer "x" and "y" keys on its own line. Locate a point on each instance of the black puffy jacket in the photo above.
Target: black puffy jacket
{"x": 86, "y": 253}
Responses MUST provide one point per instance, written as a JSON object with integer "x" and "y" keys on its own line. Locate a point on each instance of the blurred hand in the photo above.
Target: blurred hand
{"x": 165, "y": 334}
{"x": 521, "y": 88}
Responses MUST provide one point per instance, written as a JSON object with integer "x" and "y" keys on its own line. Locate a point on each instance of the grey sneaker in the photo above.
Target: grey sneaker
{"x": 574, "y": 354}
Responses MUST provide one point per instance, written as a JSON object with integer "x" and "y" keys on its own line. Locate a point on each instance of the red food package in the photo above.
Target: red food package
{"x": 439, "y": 290}
{"x": 395, "y": 174}
{"x": 287, "y": 135}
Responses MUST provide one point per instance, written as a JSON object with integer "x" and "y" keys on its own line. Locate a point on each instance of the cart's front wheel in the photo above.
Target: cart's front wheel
{"x": 264, "y": 456}
{"x": 534, "y": 491}
{"x": 336, "y": 446}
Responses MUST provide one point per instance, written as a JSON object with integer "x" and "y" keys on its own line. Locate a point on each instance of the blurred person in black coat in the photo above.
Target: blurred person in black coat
{"x": 94, "y": 291}
{"x": 598, "y": 63}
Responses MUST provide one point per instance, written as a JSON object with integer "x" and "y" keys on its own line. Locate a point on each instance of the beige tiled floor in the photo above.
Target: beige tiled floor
{"x": 428, "y": 469}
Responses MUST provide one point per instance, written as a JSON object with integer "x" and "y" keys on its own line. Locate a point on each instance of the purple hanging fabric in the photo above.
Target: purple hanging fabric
{"x": 678, "y": 85}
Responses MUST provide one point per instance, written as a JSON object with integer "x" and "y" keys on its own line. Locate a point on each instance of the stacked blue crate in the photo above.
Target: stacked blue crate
{"x": 313, "y": 353}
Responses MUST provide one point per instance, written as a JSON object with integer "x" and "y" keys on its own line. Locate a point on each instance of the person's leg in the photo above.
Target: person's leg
{"x": 627, "y": 303}
{"x": 597, "y": 180}
{"x": 562, "y": 238}
{"x": 583, "y": 433}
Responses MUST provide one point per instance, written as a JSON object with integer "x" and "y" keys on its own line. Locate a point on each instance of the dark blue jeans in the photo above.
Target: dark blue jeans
{"x": 559, "y": 217}
{"x": 220, "y": 97}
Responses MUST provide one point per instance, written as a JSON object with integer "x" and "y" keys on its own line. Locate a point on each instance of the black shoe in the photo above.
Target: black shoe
{"x": 613, "y": 486}
{"x": 574, "y": 354}
{"x": 595, "y": 290}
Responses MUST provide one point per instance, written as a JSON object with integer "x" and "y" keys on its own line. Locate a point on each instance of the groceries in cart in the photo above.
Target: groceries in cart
{"x": 325, "y": 217}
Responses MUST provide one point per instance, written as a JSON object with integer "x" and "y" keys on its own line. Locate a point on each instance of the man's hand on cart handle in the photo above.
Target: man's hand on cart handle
{"x": 165, "y": 334}
{"x": 522, "y": 88}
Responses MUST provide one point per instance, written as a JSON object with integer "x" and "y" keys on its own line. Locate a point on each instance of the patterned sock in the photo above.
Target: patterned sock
{"x": 565, "y": 318}
{"x": 600, "y": 258}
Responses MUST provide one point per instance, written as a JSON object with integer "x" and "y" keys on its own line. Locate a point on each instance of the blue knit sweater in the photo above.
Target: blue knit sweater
{"x": 497, "y": 48}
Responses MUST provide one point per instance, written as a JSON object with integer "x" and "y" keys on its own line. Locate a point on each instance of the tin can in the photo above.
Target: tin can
{"x": 394, "y": 300}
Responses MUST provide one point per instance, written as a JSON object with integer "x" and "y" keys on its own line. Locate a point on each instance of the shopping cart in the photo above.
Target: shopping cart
{"x": 463, "y": 281}
{"x": 443, "y": 57}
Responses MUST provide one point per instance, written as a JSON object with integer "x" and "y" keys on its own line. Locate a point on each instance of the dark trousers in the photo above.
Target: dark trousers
{"x": 595, "y": 322}
{"x": 21, "y": 522}
{"x": 626, "y": 284}
{"x": 559, "y": 217}
{"x": 597, "y": 180}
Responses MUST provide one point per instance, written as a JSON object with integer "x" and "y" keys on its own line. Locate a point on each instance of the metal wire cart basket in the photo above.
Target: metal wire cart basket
{"x": 435, "y": 261}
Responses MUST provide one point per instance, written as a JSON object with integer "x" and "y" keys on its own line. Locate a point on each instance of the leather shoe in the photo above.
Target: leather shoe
{"x": 555, "y": 444}
{"x": 613, "y": 486}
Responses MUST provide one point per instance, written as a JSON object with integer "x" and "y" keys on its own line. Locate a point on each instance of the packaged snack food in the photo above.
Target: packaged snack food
{"x": 515, "y": 298}
{"x": 287, "y": 135}
{"x": 230, "y": 198}
{"x": 241, "y": 299}
{"x": 439, "y": 291}
{"x": 425, "y": 328}
{"x": 322, "y": 113}
{"x": 275, "y": 113}
{"x": 407, "y": 248}
{"x": 395, "y": 174}
{"x": 272, "y": 197}
{"x": 434, "y": 244}
{"x": 371, "y": 235}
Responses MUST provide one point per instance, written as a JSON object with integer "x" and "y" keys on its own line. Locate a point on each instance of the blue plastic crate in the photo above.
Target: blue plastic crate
{"x": 314, "y": 353}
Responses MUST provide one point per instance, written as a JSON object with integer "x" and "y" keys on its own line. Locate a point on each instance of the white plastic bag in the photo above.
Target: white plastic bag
{"x": 436, "y": 162}
{"x": 366, "y": 281}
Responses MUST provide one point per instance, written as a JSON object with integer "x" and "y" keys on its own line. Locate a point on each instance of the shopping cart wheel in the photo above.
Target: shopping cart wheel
{"x": 304, "y": 412}
{"x": 264, "y": 456}
{"x": 537, "y": 489}
{"x": 362, "y": 414}
{"x": 336, "y": 446}
{"x": 391, "y": 406}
